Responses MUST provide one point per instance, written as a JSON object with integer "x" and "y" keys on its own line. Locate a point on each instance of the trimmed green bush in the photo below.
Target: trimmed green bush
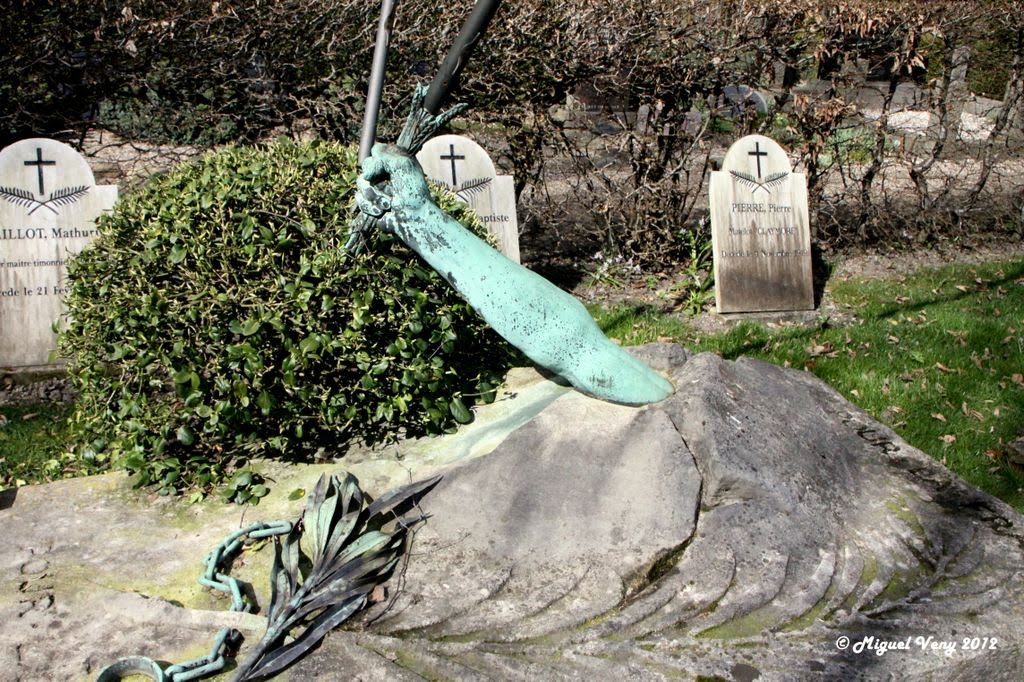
{"x": 217, "y": 318}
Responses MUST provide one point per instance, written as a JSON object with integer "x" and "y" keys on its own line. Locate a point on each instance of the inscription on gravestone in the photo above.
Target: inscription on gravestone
{"x": 464, "y": 167}
{"x": 49, "y": 203}
{"x": 760, "y": 231}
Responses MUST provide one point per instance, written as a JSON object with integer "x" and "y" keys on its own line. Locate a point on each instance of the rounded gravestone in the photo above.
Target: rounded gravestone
{"x": 739, "y": 97}
{"x": 760, "y": 231}
{"x": 464, "y": 167}
{"x": 49, "y": 203}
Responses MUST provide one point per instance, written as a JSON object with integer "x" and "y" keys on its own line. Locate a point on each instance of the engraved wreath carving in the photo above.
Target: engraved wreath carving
{"x": 471, "y": 187}
{"x": 60, "y": 197}
{"x": 754, "y": 184}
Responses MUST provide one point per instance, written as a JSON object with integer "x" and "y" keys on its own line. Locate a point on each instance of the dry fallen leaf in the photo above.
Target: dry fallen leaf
{"x": 948, "y": 438}
{"x": 816, "y": 348}
{"x": 942, "y": 368}
{"x": 938, "y": 415}
{"x": 379, "y": 594}
{"x": 971, "y": 413}
{"x": 959, "y": 336}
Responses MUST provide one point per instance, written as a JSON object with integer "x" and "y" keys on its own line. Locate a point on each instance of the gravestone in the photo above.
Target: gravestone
{"x": 464, "y": 167}
{"x": 961, "y": 63}
{"x": 759, "y": 230}
{"x": 739, "y": 97}
{"x": 49, "y": 203}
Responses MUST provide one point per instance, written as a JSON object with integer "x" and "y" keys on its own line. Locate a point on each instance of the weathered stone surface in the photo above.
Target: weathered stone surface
{"x": 1014, "y": 451}
{"x": 736, "y": 530}
{"x": 814, "y": 523}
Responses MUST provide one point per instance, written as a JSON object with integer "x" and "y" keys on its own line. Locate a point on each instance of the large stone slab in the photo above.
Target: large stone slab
{"x": 737, "y": 530}
{"x": 814, "y": 523}
{"x": 49, "y": 203}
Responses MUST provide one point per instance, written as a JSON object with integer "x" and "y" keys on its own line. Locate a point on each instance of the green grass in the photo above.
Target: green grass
{"x": 938, "y": 356}
{"x": 33, "y": 444}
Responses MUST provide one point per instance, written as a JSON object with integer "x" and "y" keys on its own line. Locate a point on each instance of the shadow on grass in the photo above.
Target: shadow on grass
{"x": 941, "y": 378}
{"x": 928, "y": 357}
{"x": 1012, "y": 272}
{"x": 758, "y": 336}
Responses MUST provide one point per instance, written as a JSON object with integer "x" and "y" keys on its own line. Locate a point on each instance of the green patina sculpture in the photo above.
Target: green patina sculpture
{"x": 548, "y": 325}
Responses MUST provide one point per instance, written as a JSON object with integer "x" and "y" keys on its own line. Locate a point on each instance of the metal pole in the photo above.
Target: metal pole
{"x": 424, "y": 122}
{"x": 474, "y": 27}
{"x": 376, "y": 85}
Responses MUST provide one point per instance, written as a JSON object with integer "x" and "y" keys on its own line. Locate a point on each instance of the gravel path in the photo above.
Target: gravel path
{"x": 57, "y": 389}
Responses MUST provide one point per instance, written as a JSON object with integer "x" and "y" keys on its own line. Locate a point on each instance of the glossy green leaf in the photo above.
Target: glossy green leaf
{"x": 460, "y": 411}
{"x": 185, "y": 435}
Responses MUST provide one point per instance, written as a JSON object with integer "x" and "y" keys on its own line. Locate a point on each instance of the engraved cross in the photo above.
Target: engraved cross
{"x": 39, "y": 163}
{"x": 757, "y": 154}
{"x": 452, "y": 156}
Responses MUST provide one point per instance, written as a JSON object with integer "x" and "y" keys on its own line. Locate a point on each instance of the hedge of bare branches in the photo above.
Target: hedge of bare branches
{"x": 906, "y": 115}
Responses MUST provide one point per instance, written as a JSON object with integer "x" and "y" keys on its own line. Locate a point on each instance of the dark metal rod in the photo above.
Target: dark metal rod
{"x": 474, "y": 27}
{"x": 376, "y": 85}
